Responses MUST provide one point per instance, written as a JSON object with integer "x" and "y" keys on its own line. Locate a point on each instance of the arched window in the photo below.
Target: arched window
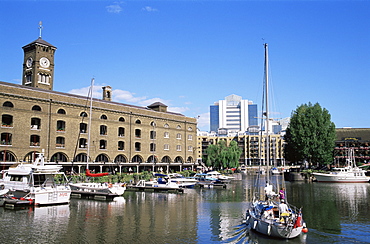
{"x": 166, "y": 159}
{"x": 120, "y": 159}
{"x": 121, "y": 132}
{"x": 82, "y": 157}
{"x": 36, "y": 108}
{"x": 59, "y": 157}
{"x": 137, "y": 159}
{"x": 61, "y": 111}
{"x": 61, "y": 125}
{"x": 152, "y": 159}
{"x": 103, "y": 117}
{"x": 60, "y": 141}
{"x": 137, "y": 121}
{"x": 102, "y": 158}
{"x": 8, "y": 104}
{"x": 103, "y": 130}
{"x": 7, "y": 156}
{"x": 137, "y": 133}
{"x": 35, "y": 124}
{"x": 178, "y": 136}
{"x": 152, "y": 147}
{"x": 121, "y": 119}
{"x": 83, "y": 114}
{"x": 103, "y": 144}
{"x": 6, "y": 139}
{"x": 34, "y": 140}
{"x": 121, "y": 145}
{"x": 82, "y": 143}
{"x": 137, "y": 146}
{"x": 178, "y": 159}
{"x": 7, "y": 120}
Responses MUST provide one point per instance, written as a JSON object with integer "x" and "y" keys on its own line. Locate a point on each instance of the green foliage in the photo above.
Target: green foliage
{"x": 310, "y": 135}
{"x": 221, "y": 156}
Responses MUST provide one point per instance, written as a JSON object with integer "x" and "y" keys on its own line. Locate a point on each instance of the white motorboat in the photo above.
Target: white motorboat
{"x": 219, "y": 176}
{"x": 265, "y": 215}
{"x": 181, "y": 180}
{"x": 37, "y": 183}
{"x": 348, "y": 174}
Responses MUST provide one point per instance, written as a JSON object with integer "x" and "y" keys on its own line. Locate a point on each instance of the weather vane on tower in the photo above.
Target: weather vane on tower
{"x": 40, "y": 28}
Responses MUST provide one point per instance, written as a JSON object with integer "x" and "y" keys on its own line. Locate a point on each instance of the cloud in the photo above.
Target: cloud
{"x": 178, "y": 109}
{"x": 203, "y": 121}
{"x": 149, "y": 9}
{"x": 84, "y": 91}
{"x": 126, "y": 96}
{"x": 114, "y": 8}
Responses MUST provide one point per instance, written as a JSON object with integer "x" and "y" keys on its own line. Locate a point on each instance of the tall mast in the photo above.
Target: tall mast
{"x": 89, "y": 128}
{"x": 267, "y": 110}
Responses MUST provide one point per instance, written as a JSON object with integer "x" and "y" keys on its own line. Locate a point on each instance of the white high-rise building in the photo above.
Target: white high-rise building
{"x": 233, "y": 115}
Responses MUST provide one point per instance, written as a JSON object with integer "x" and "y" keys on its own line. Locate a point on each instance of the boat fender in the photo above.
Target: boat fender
{"x": 255, "y": 224}
{"x": 269, "y": 230}
{"x": 110, "y": 185}
{"x": 305, "y": 230}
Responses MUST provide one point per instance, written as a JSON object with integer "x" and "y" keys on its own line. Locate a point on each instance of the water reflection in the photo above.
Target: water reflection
{"x": 335, "y": 213}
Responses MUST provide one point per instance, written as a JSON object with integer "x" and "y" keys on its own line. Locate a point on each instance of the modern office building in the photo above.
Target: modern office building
{"x": 232, "y": 115}
{"x": 35, "y": 118}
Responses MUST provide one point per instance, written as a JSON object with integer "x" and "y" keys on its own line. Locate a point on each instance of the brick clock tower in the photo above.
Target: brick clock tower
{"x": 38, "y": 65}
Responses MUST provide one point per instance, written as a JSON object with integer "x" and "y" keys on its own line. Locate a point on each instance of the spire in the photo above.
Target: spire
{"x": 40, "y": 28}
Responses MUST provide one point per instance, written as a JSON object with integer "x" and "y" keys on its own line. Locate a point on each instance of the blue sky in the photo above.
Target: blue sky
{"x": 189, "y": 54}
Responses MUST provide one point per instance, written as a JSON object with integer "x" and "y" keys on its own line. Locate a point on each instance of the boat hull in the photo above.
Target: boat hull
{"x": 97, "y": 189}
{"x": 339, "y": 178}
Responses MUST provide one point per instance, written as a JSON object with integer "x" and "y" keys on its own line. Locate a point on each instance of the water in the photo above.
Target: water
{"x": 335, "y": 213}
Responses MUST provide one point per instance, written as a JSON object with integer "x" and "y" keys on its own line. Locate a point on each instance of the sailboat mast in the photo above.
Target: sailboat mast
{"x": 267, "y": 111}
{"x": 89, "y": 129}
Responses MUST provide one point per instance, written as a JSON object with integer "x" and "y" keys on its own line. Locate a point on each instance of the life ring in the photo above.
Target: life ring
{"x": 110, "y": 185}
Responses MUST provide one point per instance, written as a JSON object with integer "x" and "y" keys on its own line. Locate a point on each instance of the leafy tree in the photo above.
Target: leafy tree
{"x": 310, "y": 135}
{"x": 220, "y": 156}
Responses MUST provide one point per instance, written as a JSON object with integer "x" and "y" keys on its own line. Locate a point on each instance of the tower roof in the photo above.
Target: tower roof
{"x": 39, "y": 41}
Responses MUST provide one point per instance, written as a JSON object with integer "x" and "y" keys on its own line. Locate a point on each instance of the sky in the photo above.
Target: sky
{"x": 190, "y": 54}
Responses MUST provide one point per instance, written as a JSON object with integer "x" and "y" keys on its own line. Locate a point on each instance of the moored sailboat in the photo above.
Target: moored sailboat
{"x": 266, "y": 214}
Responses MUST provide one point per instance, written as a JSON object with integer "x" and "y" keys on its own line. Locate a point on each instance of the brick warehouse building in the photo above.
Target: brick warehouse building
{"x": 124, "y": 138}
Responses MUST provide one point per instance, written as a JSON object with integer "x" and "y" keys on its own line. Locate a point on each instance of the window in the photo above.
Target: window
{"x": 121, "y": 145}
{"x": 178, "y": 127}
{"x": 178, "y": 136}
{"x": 103, "y": 144}
{"x": 36, "y": 108}
{"x": 166, "y": 147}
{"x": 153, "y": 124}
{"x": 137, "y": 133}
{"x": 166, "y": 125}
{"x": 103, "y": 130}
{"x": 137, "y": 146}
{"x": 103, "y": 117}
{"x": 60, "y": 142}
{"x": 166, "y": 135}
{"x": 152, "y": 147}
{"x": 152, "y": 135}
{"x": 190, "y": 129}
{"x": 83, "y": 128}
{"x": 83, "y": 143}
{"x": 120, "y": 159}
{"x": 35, "y": 123}
{"x": 121, "y": 119}
{"x": 83, "y": 114}
{"x": 121, "y": 132}
{"x": 34, "y": 140}
{"x": 6, "y": 139}
{"x": 137, "y": 121}
{"x": 7, "y": 120}
{"x": 8, "y": 104}
{"x": 190, "y": 137}
{"x": 178, "y": 147}
{"x": 61, "y": 111}
{"x": 61, "y": 125}
{"x": 190, "y": 148}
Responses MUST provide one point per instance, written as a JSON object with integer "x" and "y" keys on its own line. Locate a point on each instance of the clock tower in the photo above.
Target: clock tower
{"x": 38, "y": 64}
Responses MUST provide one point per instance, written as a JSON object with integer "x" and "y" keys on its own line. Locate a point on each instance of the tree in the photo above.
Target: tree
{"x": 220, "y": 156}
{"x": 310, "y": 135}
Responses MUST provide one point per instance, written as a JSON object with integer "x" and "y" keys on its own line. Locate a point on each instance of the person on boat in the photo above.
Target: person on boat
{"x": 282, "y": 193}
{"x": 284, "y": 211}
{"x": 268, "y": 191}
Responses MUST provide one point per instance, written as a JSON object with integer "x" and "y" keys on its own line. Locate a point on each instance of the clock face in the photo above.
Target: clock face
{"x": 44, "y": 62}
{"x": 29, "y": 62}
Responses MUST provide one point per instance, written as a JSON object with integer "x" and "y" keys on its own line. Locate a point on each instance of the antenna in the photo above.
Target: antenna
{"x": 40, "y": 28}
